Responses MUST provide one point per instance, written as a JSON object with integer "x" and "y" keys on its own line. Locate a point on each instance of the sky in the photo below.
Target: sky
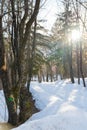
{"x": 49, "y": 13}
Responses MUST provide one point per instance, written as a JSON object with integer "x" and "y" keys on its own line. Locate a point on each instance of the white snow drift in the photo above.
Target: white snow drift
{"x": 63, "y": 106}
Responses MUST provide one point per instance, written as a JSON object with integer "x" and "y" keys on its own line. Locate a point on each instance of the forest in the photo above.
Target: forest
{"x": 30, "y": 52}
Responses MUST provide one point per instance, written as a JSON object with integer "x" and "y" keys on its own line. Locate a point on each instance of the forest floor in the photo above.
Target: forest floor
{"x": 63, "y": 106}
{"x": 5, "y": 126}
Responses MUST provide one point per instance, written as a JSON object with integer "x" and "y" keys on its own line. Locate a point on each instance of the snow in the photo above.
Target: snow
{"x": 63, "y": 106}
{"x": 3, "y": 108}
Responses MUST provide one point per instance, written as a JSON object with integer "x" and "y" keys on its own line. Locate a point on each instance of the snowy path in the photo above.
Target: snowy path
{"x": 63, "y": 107}
{"x": 54, "y": 96}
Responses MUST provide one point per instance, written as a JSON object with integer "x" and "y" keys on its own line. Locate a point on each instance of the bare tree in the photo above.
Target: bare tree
{"x": 20, "y": 30}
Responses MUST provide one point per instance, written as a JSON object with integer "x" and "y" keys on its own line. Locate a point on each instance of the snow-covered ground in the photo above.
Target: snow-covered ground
{"x": 63, "y": 106}
{"x": 3, "y": 108}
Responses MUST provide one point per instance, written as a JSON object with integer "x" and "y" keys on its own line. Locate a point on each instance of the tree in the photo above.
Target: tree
{"x": 64, "y": 24}
{"x": 5, "y": 80}
{"x": 79, "y": 45}
{"x": 19, "y": 30}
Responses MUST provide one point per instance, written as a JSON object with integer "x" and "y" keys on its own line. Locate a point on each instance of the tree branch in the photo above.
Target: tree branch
{"x": 28, "y": 25}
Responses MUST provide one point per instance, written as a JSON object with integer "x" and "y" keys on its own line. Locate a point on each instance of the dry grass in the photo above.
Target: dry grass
{"x": 5, "y": 126}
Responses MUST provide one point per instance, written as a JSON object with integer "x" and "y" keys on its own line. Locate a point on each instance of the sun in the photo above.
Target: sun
{"x": 75, "y": 35}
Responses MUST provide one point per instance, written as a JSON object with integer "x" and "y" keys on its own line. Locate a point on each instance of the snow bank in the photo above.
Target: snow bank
{"x": 3, "y": 108}
{"x": 63, "y": 107}
{"x": 63, "y": 121}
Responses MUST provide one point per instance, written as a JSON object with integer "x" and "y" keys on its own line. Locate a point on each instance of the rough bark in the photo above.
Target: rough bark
{"x": 70, "y": 64}
{"x": 5, "y": 81}
{"x": 78, "y": 63}
{"x": 81, "y": 66}
{"x": 32, "y": 57}
{"x": 22, "y": 45}
{"x": 9, "y": 97}
{"x": 28, "y": 27}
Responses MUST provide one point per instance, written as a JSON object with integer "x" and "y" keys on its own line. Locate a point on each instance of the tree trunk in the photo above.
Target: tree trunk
{"x": 81, "y": 68}
{"x": 39, "y": 76}
{"x": 47, "y": 75}
{"x": 78, "y": 67}
{"x": 9, "y": 98}
{"x": 5, "y": 81}
{"x": 70, "y": 64}
{"x": 51, "y": 75}
{"x": 77, "y": 44}
{"x": 43, "y": 76}
{"x": 31, "y": 60}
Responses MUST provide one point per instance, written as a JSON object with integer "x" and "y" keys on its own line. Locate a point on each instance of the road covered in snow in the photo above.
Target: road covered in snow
{"x": 63, "y": 106}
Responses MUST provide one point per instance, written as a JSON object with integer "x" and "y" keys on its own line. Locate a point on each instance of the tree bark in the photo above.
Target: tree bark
{"x": 28, "y": 27}
{"x": 5, "y": 81}
{"x": 78, "y": 67}
{"x": 9, "y": 98}
{"x": 81, "y": 67}
{"x": 32, "y": 56}
{"x": 70, "y": 63}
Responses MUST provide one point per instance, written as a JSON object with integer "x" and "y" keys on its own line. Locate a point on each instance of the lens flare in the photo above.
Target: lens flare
{"x": 75, "y": 35}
